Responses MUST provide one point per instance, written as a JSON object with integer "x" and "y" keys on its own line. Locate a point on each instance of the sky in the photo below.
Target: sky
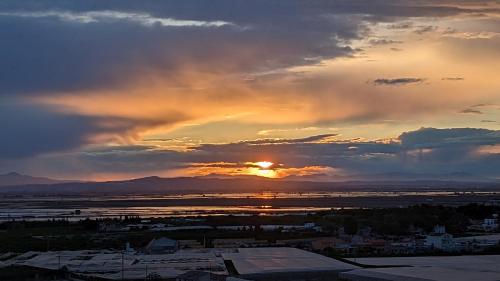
{"x": 105, "y": 90}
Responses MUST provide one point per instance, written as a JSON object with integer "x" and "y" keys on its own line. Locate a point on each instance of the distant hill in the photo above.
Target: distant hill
{"x": 201, "y": 185}
{"x": 395, "y": 176}
{"x": 15, "y": 179}
{"x": 458, "y": 176}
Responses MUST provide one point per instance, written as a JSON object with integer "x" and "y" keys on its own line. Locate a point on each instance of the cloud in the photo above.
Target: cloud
{"x": 138, "y": 39}
{"x": 116, "y": 71}
{"x": 433, "y": 138}
{"x": 425, "y": 29}
{"x": 28, "y": 131}
{"x": 396, "y": 49}
{"x": 453, "y": 79}
{"x": 397, "y": 81}
{"x": 107, "y": 16}
{"x": 378, "y": 42}
{"x": 103, "y": 48}
{"x": 471, "y": 111}
{"x": 311, "y": 139}
{"x": 401, "y": 25}
{"x": 427, "y": 150}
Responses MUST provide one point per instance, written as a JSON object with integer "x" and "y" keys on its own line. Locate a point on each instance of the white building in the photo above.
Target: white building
{"x": 440, "y": 240}
{"x": 439, "y": 229}
{"x": 490, "y": 224}
{"x": 443, "y": 242}
{"x": 478, "y": 243}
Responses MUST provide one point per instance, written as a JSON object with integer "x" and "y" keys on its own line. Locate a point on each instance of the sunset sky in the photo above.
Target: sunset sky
{"x": 104, "y": 90}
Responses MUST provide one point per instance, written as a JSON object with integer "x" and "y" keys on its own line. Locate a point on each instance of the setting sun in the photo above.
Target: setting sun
{"x": 264, "y": 164}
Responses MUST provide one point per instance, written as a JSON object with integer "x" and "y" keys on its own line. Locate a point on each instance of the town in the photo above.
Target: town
{"x": 314, "y": 246}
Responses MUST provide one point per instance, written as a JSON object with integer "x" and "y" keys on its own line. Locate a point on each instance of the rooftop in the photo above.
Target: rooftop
{"x": 249, "y": 261}
{"x": 108, "y": 264}
{"x": 458, "y": 268}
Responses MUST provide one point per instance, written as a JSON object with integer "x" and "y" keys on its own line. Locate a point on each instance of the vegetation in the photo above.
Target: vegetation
{"x": 21, "y": 236}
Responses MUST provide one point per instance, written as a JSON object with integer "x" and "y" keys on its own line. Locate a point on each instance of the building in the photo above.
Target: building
{"x": 118, "y": 265}
{"x": 401, "y": 247}
{"x": 439, "y": 229}
{"x": 308, "y": 226}
{"x": 440, "y": 240}
{"x": 112, "y": 227}
{"x": 162, "y": 246}
{"x": 238, "y": 243}
{"x": 284, "y": 264}
{"x": 490, "y": 224}
{"x": 478, "y": 243}
{"x": 323, "y": 243}
{"x": 457, "y": 268}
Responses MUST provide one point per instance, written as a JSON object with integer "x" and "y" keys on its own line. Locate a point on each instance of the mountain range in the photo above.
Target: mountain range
{"x": 13, "y": 179}
{"x": 14, "y": 183}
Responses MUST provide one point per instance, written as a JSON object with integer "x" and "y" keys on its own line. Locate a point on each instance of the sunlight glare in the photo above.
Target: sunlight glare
{"x": 264, "y": 164}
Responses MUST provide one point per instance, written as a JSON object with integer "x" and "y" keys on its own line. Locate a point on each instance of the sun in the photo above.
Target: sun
{"x": 264, "y": 164}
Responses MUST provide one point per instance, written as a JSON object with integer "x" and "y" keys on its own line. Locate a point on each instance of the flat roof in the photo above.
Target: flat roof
{"x": 108, "y": 264}
{"x": 249, "y": 261}
{"x": 456, "y": 268}
{"x": 483, "y": 262}
{"x": 491, "y": 237}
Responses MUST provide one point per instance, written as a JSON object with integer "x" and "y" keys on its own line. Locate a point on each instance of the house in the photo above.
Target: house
{"x": 323, "y": 243}
{"x": 440, "y": 240}
{"x": 404, "y": 247}
{"x": 162, "y": 246}
{"x": 490, "y": 224}
{"x": 112, "y": 227}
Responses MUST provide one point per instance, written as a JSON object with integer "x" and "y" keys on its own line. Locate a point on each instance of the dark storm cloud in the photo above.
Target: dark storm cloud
{"x": 52, "y": 47}
{"x": 51, "y": 50}
{"x": 397, "y": 81}
{"x": 46, "y": 55}
{"x": 247, "y": 10}
{"x": 433, "y": 138}
{"x": 60, "y": 47}
{"x": 426, "y": 151}
{"x": 352, "y": 155}
{"x": 27, "y": 130}
{"x": 64, "y": 46}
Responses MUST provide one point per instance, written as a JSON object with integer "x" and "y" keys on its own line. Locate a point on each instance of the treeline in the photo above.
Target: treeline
{"x": 401, "y": 221}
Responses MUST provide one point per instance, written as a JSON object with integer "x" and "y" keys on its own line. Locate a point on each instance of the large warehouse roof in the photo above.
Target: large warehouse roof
{"x": 249, "y": 261}
{"x": 460, "y": 268}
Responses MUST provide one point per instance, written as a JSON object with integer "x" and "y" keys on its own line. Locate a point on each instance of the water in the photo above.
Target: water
{"x": 216, "y": 204}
